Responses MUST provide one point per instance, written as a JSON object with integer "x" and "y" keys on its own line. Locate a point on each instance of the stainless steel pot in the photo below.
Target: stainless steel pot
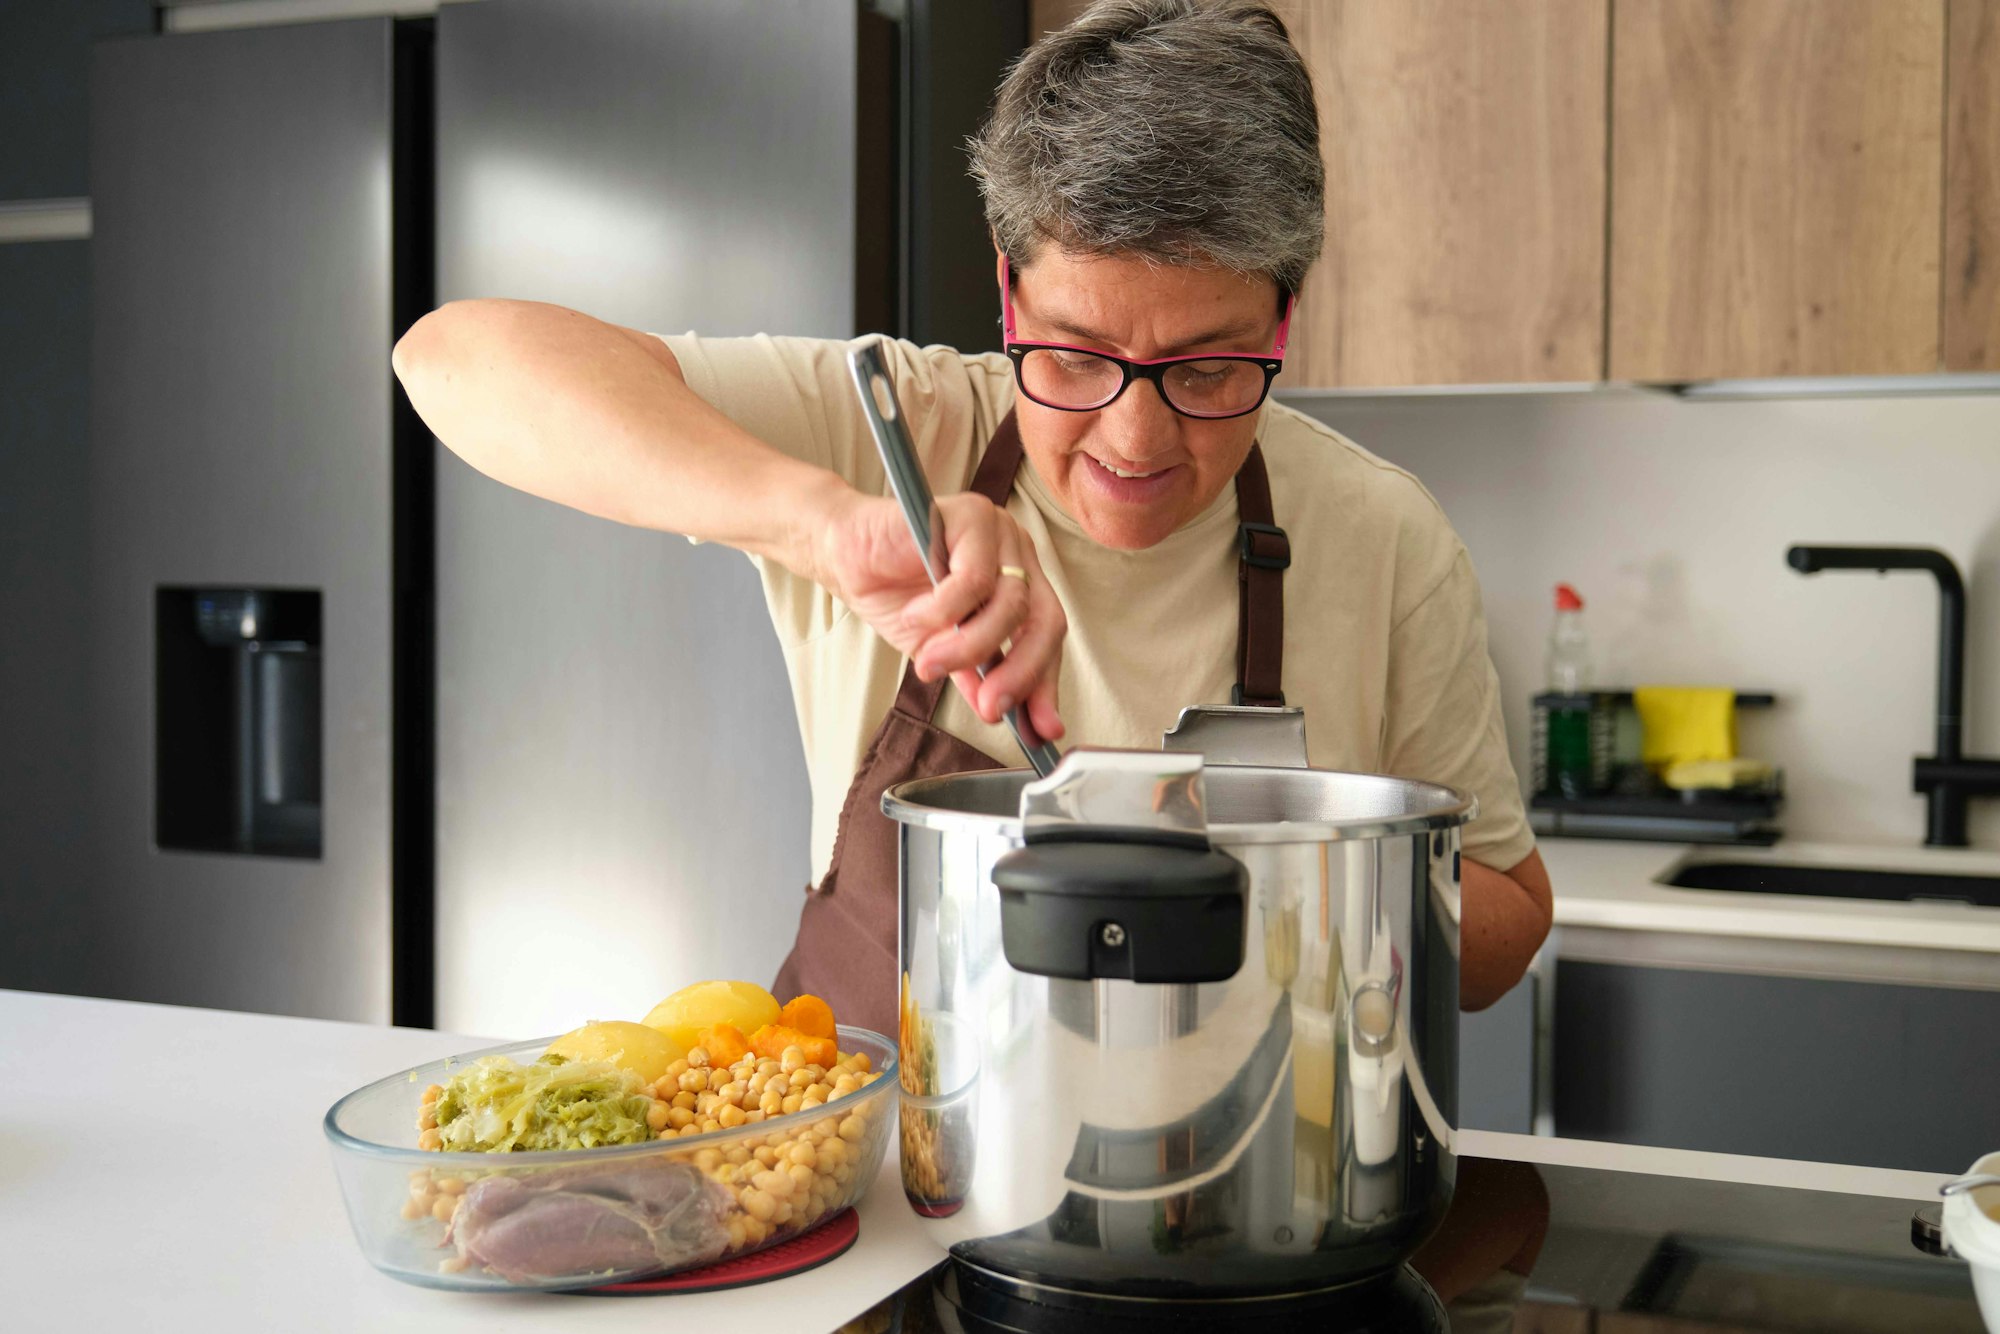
{"x": 1174, "y": 1029}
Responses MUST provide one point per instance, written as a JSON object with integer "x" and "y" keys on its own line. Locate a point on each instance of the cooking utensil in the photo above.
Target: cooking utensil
{"x": 913, "y": 492}
{"x": 1972, "y": 1182}
{"x": 1179, "y": 1029}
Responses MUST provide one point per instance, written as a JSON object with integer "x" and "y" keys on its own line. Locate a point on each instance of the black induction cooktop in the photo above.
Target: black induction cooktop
{"x": 1569, "y": 1250}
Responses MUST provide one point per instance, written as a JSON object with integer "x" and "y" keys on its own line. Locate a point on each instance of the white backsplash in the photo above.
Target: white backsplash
{"x": 1672, "y": 519}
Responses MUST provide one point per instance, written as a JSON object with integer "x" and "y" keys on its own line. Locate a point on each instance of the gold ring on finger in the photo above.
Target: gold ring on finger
{"x": 1014, "y": 572}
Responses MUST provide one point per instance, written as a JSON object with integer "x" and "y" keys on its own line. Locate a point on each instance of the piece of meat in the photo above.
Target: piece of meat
{"x": 563, "y": 1222}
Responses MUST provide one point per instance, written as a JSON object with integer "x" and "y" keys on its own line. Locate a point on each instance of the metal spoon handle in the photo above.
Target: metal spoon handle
{"x": 920, "y": 511}
{"x": 1973, "y": 1182}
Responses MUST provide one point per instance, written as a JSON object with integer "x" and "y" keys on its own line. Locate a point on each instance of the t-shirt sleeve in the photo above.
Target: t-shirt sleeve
{"x": 796, "y": 395}
{"x": 1443, "y": 720}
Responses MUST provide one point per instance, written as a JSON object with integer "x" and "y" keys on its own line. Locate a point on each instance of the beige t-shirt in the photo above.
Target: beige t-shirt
{"x": 1385, "y": 639}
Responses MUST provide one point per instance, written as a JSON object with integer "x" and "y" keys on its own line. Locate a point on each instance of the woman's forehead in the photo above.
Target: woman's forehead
{"x": 1120, "y": 298}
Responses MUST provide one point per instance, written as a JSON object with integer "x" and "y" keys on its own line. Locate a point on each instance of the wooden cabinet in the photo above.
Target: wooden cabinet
{"x": 1972, "y": 187}
{"x": 1775, "y": 187}
{"x": 1464, "y": 147}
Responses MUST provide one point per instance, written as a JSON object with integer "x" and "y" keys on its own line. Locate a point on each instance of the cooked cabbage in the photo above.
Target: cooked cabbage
{"x": 496, "y": 1105}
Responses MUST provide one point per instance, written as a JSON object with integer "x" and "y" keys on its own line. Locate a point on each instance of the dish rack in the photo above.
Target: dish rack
{"x": 1625, "y": 799}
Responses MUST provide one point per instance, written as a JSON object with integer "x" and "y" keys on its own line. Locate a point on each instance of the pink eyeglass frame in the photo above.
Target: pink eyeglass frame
{"x": 1130, "y": 370}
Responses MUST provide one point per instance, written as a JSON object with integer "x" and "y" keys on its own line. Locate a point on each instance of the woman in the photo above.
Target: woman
{"x": 1154, "y": 188}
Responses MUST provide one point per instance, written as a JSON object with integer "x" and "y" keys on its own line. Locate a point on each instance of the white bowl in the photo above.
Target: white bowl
{"x": 1972, "y": 1229}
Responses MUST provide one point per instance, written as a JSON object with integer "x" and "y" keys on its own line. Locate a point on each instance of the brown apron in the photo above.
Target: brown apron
{"x": 846, "y": 948}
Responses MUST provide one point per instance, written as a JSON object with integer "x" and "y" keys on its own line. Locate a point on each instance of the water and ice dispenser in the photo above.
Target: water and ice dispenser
{"x": 238, "y": 723}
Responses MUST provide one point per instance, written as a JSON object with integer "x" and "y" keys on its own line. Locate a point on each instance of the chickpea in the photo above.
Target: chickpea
{"x": 813, "y": 1211}
{"x": 811, "y": 1099}
{"x": 826, "y": 1128}
{"x": 694, "y": 1081}
{"x": 427, "y": 1118}
{"x": 733, "y": 1091}
{"x": 845, "y": 1085}
{"x": 756, "y": 1229}
{"x": 731, "y": 1116}
{"x": 791, "y": 1059}
{"x": 706, "y": 1103}
{"x": 767, "y": 1066}
{"x": 698, "y": 1058}
{"x": 759, "y": 1205}
{"x": 817, "y": 1071}
{"x": 451, "y": 1186}
{"x": 656, "y": 1116}
{"x": 679, "y": 1116}
{"x": 852, "y": 1129}
{"x": 415, "y": 1207}
{"x": 802, "y": 1177}
{"x": 751, "y": 1118}
{"x": 773, "y": 1103}
{"x": 738, "y": 1236}
{"x": 736, "y": 1154}
{"x": 444, "y": 1208}
{"x": 728, "y": 1174}
{"x": 421, "y": 1177}
{"x": 677, "y": 1069}
{"x": 773, "y": 1183}
{"x": 782, "y": 1214}
{"x": 862, "y": 1063}
{"x": 844, "y": 1173}
{"x": 832, "y": 1153}
{"x": 686, "y": 1100}
{"x": 708, "y": 1159}
{"x": 431, "y": 1139}
{"x": 803, "y": 1155}
{"x": 432, "y": 1094}
{"x": 791, "y": 1103}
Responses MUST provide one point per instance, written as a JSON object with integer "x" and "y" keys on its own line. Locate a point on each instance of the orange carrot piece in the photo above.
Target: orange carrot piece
{"x": 725, "y": 1043}
{"x": 810, "y": 1015}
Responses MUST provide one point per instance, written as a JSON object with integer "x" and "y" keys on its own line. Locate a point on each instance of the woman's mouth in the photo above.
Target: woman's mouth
{"x": 1134, "y": 486}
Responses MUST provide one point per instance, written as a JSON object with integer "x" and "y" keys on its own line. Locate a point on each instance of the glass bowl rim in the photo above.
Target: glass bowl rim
{"x": 342, "y": 1140}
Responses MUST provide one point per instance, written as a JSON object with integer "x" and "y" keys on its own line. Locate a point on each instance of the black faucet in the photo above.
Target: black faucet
{"x": 1948, "y": 779}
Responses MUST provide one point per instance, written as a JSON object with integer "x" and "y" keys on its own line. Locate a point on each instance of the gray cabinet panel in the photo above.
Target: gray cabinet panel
{"x": 44, "y": 599}
{"x": 621, "y": 786}
{"x": 1840, "y": 1072}
{"x": 241, "y": 438}
{"x": 44, "y": 89}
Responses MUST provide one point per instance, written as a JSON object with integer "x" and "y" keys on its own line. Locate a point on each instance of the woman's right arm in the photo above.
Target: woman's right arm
{"x": 599, "y": 418}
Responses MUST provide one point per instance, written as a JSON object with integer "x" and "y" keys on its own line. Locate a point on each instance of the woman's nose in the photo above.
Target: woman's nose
{"x": 1139, "y": 424}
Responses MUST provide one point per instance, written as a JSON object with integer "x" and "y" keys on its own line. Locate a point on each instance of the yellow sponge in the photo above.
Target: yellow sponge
{"x": 1686, "y": 723}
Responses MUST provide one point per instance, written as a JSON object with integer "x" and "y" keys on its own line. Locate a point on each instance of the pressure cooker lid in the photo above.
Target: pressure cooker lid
{"x": 1245, "y": 804}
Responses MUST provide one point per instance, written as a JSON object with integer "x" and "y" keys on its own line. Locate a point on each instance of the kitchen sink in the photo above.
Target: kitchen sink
{"x": 1838, "y": 882}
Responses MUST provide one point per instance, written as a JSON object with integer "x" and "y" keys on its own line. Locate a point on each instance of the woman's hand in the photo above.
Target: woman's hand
{"x": 863, "y": 555}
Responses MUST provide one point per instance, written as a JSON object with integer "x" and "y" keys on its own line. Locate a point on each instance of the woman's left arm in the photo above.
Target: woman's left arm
{"x": 1503, "y": 918}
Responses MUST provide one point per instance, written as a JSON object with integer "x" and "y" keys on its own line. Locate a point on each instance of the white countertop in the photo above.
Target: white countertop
{"x": 1615, "y": 885}
{"x": 164, "y": 1168}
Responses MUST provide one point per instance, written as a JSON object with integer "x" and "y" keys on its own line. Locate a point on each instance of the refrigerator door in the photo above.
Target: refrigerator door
{"x": 241, "y": 438}
{"x": 623, "y": 792}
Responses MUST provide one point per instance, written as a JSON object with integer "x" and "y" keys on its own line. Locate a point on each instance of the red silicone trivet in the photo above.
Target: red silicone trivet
{"x": 825, "y": 1242}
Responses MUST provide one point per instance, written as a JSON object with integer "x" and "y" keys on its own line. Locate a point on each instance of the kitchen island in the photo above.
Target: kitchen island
{"x": 165, "y": 1168}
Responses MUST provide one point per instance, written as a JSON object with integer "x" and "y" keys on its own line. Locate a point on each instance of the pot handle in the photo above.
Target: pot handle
{"x": 1140, "y": 906}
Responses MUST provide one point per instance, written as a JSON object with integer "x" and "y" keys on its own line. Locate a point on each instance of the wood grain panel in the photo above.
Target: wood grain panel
{"x": 1775, "y": 187}
{"x": 1972, "y": 187}
{"x": 1464, "y": 144}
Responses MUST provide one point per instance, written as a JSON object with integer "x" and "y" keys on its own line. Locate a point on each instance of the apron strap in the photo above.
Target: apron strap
{"x": 1262, "y": 554}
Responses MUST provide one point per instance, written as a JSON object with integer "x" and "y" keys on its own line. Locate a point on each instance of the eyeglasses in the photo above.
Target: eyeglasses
{"x": 1081, "y": 379}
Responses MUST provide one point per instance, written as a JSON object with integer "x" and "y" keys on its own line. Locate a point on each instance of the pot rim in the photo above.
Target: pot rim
{"x": 904, "y": 803}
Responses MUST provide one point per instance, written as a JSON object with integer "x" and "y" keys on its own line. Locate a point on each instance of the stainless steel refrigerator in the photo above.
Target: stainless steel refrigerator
{"x": 590, "y": 789}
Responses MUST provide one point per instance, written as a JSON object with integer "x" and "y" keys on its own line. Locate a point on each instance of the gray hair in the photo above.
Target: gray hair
{"x": 1183, "y": 131}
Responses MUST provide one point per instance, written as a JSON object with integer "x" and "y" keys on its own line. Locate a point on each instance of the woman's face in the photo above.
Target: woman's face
{"x": 1173, "y": 466}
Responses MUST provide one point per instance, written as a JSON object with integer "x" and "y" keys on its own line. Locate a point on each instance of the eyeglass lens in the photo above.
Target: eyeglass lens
{"x": 1066, "y": 379}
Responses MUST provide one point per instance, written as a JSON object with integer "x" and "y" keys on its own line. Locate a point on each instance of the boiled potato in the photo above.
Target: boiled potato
{"x": 646, "y": 1052}
{"x": 684, "y": 1014}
